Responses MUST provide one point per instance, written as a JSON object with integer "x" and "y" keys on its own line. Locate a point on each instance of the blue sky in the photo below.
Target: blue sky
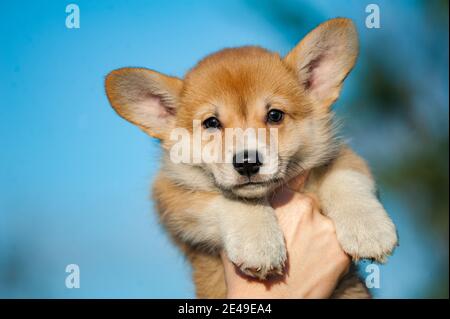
{"x": 75, "y": 178}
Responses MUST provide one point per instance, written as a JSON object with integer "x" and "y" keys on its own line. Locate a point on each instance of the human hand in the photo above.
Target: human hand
{"x": 316, "y": 261}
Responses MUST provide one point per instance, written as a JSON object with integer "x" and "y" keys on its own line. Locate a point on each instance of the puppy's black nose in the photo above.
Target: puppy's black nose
{"x": 247, "y": 163}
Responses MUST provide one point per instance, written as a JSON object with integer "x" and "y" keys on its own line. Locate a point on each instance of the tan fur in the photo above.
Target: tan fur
{"x": 208, "y": 275}
{"x": 202, "y": 205}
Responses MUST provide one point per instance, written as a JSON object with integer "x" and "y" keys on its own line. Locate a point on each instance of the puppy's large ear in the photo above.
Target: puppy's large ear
{"x": 323, "y": 59}
{"x": 144, "y": 97}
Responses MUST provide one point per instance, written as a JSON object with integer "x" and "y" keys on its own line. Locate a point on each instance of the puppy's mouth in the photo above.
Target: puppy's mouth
{"x": 265, "y": 183}
{"x": 254, "y": 189}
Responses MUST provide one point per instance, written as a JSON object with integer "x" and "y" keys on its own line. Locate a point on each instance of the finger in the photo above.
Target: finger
{"x": 292, "y": 206}
{"x": 296, "y": 184}
{"x": 307, "y": 205}
{"x": 315, "y": 200}
{"x": 348, "y": 266}
{"x": 228, "y": 265}
{"x": 317, "y": 214}
{"x": 281, "y": 197}
{"x": 284, "y": 193}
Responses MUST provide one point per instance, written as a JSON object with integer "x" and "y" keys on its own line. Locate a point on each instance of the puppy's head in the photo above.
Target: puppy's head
{"x": 265, "y": 118}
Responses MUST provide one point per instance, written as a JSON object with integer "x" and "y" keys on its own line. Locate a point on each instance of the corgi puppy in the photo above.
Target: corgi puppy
{"x": 212, "y": 206}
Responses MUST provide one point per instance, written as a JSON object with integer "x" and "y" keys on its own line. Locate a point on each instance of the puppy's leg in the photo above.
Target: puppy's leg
{"x": 186, "y": 216}
{"x": 208, "y": 274}
{"x": 249, "y": 233}
{"x": 251, "y": 237}
{"x": 348, "y": 196}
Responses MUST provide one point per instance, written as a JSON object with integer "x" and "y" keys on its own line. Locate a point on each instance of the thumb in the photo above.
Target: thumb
{"x": 296, "y": 184}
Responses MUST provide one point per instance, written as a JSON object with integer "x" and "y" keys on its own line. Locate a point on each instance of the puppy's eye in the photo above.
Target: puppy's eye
{"x": 211, "y": 122}
{"x": 275, "y": 116}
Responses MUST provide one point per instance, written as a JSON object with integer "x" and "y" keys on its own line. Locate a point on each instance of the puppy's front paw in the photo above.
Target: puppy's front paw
{"x": 258, "y": 252}
{"x": 366, "y": 231}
